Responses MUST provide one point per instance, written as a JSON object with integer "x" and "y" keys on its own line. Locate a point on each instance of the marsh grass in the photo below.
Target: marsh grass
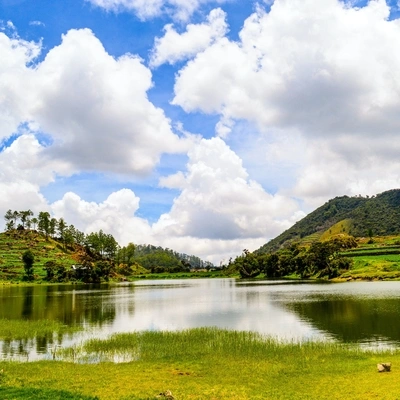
{"x": 209, "y": 363}
{"x": 24, "y": 329}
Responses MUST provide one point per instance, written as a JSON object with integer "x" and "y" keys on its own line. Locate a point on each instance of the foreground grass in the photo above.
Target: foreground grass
{"x": 207, "y": 364}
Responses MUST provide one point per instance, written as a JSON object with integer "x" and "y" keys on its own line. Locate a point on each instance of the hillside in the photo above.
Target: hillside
{"x": 358, "y": 216}
{"x": 53, "y": 259}
{"x": 14, "y": 243}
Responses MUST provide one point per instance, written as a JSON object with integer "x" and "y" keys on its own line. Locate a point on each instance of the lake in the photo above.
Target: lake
{"x": 355, "y": 312}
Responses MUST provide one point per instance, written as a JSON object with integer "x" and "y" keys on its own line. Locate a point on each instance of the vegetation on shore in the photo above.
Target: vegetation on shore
{"x": 45, "y": 249}
{"x": 347, "y": 238}
{"x": 204, "y": 364}
{"x": 320, "y": 246}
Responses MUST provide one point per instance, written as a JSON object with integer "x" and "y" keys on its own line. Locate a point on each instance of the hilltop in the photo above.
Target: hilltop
{"x": 357, "y": 216}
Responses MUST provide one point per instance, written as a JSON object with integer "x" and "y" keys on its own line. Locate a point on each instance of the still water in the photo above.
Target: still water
{"x": 361, "y": 312}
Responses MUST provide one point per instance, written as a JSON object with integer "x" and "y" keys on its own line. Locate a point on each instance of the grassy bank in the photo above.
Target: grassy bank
{"x": 206, "y": 364}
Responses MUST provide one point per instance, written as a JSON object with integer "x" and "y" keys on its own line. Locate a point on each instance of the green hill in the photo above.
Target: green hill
{"x": 14, "y": 243}
{"x": 358, "y": 216}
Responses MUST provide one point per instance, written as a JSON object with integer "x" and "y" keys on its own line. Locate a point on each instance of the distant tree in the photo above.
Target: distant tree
{"x": 9, "y": 220}
{"x": 52, "y": 227}
{"x": 130, "y": 253}
{"x": 10, "y": 225}
{"x": 34, "y": 221}
{"x": 50, "y": 268}
{"x": 79, "y": 237}
{"x": 25, "y": 217}
{"x": 28, "y": 260}
{"x": 44, "y": 223}
{"x": 61, "y": 226}
{"x": 15, "y": 217}
{"x": 248, "y": 264}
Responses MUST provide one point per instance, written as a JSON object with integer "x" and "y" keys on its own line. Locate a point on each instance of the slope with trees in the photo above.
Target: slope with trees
{"x": 58, "y": 252}
{"x": 365, "y": 216}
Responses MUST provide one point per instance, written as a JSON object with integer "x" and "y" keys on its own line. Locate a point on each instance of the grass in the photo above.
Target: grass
{"x": 208, "y": 364}
{"x": 342, "y": 227}
{"x": 23, "y": 329}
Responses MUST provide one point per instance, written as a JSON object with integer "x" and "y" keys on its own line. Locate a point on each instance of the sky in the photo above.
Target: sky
{"x": 204, "y": 126}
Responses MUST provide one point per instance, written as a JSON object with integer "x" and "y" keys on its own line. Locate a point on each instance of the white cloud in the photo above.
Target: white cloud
{"x": 116, "y": 216}
{"x": 37, "y": 23}
{"x": 321, "y": 70}
{"x": 96, "y": 109}
{"x": 219, "y": 205}
{"x": 93, "y": 107}
{"x": 22, "y": 173}
{"x": 16, "y": 87}
{"x": 173, "y": 47}
{"x": 319, "y": 66}
{"x": 146, "y": 9}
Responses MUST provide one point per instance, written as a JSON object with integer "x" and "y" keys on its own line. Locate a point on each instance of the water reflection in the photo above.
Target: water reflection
{"x": 351, "y": 312}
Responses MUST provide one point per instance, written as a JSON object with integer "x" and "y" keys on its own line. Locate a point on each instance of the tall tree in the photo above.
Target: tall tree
{"x": 34, "y": 221}
{"x": 9, "y": 220}
{"x": 52, "y": 228}
{"x": 44, "y": 223}
{"x": 15, "y": 217}
{"x": 25, "y": 217}
{"x": 62, "y": 226}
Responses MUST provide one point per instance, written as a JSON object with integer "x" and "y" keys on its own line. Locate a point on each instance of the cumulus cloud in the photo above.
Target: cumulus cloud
{"x": 146, "y": 9}
{"x": 173, "y": 47}
{"x": 22, "y": 173}
{"x": 220, "y": 203}
{"x": 323, "y": 70}
{"x": 16, "y": 89}
{"x": 96, "y": 109}
{"x": 323, "y": 67}
{"x": 115, "y": 215}
{"x": 93, "y": 107}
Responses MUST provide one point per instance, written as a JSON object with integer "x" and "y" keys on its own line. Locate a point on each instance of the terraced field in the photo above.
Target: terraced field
{"x": 14, "y": 244}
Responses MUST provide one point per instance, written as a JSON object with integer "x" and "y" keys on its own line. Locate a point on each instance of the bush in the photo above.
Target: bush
{"x": 28, "y": 259}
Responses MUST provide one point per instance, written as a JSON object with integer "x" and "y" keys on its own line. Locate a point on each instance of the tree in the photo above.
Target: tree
{"x": 130, "y": 253}
{"x": 25, "y": 217}
{"x": 44, "y": 223}
{"x": 79, "y": 237}
{"x": 249, "y": 266}
{"x": 69, "y": 236}
{"x": 15, "y": 217}
{"x": 28, "y": 260}
{"x": 9, "y": 220}
{"x": 61, "y": 226}
{"x": 34, "y": 221}
{"x": 52, "y": 227}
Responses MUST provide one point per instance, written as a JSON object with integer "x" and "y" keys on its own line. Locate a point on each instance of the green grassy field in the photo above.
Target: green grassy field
{"x": 207, "y": 364}
{"x": 379, "y": 260}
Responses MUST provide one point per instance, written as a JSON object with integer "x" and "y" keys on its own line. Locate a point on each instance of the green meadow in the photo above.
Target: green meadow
{"x": 205, "y": 364}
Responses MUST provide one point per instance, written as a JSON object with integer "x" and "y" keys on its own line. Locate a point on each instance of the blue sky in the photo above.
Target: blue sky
{"x": 207, "y": 126}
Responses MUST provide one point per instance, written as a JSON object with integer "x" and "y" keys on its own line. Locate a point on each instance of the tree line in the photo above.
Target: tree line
{"x": 320, "y": 259}
{"x": 102, "y": 256}
{"x": 99, "y": 242}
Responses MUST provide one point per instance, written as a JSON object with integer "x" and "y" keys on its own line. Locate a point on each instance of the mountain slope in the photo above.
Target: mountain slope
{"x": 377, "y": 216}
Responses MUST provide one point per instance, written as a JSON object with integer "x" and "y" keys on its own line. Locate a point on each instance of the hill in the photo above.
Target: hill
{"x": 14, "y": 243}
{"x": 358, "y": 216}
{"x": 58, "y": 261}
